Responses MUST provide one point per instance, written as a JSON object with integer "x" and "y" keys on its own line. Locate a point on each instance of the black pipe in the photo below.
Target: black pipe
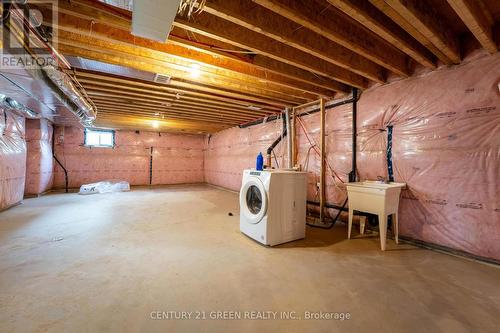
{"x": 327, "y": 205}
{"x": 352, "y": 174}
{"x": 151, "y": 166}
{"x": 259, "y": 121}
{"x": 354, "y": 99}
{"x": 58, "y": 162}
{"x": 275, "y": 143}
{"x": 278, "y": 139}
{"x": 273, "y": 117}
{"x": 340, "y": 209}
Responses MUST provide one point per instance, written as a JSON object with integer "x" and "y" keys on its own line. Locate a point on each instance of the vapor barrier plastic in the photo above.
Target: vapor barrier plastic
{"x": 12, "y": 158}
{"x": 106, "y": 186}
{"x": 176, "y": 158}
{"x": 446, "y": 147}
{"x": 39, "y": 165}
{"x": 231, "y": 151}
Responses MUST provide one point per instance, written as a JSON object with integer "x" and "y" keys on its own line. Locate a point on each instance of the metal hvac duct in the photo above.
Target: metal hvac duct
{"x": 152, "y": 19}
{"x": 85, "y": 111}
{"x": 18, "y": 108}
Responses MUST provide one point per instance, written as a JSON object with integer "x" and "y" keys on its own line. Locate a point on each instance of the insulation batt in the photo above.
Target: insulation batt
{"x": 12, "y": 158}
{"x": 177, "y": 158}
{"x": 39, "y": 165}
{"x": 446, "y": 147}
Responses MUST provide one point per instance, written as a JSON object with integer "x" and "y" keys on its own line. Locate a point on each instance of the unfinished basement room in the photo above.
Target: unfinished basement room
{"x": 250, "y": 166}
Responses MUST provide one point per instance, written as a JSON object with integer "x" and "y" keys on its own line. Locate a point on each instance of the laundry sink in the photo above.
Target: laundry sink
{"x": 377, "y": 198}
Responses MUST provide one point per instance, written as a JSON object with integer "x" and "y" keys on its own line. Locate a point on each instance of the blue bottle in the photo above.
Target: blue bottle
{"x": 260, "y": 162}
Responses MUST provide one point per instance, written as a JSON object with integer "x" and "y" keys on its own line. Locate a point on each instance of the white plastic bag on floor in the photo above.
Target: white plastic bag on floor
{"x": 107, "y": 186}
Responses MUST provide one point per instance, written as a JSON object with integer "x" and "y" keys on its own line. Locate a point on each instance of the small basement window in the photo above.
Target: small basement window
{"x": 99, "y": 138}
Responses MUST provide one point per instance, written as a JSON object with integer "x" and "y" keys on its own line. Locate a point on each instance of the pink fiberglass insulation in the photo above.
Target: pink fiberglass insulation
{"x": 12, "y": 158}
{"x": 39, "y": 164}
{"x": 231, "y": 151}
{"x": 446, "y": 147}
{"x": 177, "y": 158}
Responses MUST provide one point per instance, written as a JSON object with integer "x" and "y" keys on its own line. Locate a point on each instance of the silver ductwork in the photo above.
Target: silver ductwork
{"x": 86, "y": 111}
{"x": 18, "y": 108}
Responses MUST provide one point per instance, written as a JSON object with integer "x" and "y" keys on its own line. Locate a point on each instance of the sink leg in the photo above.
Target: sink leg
{"x": 349, "y": 225}
{"x": 382, "y": 223}
{"x": 362, "y": 222}
{"x": 395, "y": 227}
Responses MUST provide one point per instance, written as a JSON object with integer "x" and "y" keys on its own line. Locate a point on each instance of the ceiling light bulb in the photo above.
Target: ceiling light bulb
{"x": 157, "y": 114}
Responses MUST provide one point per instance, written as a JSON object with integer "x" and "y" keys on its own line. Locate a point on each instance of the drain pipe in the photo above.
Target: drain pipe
{"x": 293, "y": 134}
{"x": 274, "y": 144}
{"x": 289, "y": 138}
{"x": 322, "y": 173}
{"x": 58, "y": 162}
{"x": 16, "y": 107}
{"x": 352, "y": 174}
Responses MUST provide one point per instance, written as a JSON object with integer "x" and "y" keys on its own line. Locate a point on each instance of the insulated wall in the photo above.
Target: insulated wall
{"x": 446, "y": 147}
{"x": 39, "y": 164}
{"x": 176, "y": 158}
{"x": 12, "y": 158}
{"x": 231, "y": 151}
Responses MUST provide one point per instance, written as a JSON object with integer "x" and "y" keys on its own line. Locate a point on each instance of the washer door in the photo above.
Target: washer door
{"x": 253, "y": 200}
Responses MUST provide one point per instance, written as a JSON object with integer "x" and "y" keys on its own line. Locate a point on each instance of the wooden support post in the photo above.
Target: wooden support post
{"x": 322, "y": 197}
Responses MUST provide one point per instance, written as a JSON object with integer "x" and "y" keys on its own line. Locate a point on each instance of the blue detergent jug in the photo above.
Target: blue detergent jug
{"x": 260, "y": 162}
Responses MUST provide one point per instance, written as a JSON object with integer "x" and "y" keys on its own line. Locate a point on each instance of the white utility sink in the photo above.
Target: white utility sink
{"x": 376, "y": 198}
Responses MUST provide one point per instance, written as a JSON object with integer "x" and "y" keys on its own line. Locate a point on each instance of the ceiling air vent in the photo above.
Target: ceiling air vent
{"x": 161, "y": 78}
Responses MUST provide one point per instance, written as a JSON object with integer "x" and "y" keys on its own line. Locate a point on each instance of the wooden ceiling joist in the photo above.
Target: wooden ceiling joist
{"x": 423, "y": 17}
{"x": 410, "y": 29}
{"x": 232, "y": 33}
{"x": 261, "y": 20}
{"x": 83, "y": 15}
{"x": 337, "y": 28}
{"x": 117, "y": 109}
{"x": 96, "y": 90}
{"x": 478, "y": 20}
{"x": 153, "y": 109}
{"x": 184, "y": 85}
{"x": 143, "y": 87}
{"x": 107, "y": 108}
{"x": 373, "y": 19}
{"x": 103, "y": 92}
{"x": 264, "y": 63}
{"x": 179, "y": 68}
{"x": 255, "y": 57}
{"x": 179, "y": 76}
{"x": 70, "y": 30}
{"x": 124, "y": 121}
{"x": 99, "y": 100}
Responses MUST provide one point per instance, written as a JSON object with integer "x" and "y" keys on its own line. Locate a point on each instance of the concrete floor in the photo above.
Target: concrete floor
{"x": 110, "y": 262}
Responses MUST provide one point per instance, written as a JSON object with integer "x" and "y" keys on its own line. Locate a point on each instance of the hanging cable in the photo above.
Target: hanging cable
{"x": 316, "y": 149}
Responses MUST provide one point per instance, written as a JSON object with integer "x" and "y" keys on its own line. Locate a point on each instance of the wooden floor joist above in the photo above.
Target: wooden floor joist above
{"x": 479, "y": 21}
{"x": 165, "y": 104}
{"x": 235, "y": 61}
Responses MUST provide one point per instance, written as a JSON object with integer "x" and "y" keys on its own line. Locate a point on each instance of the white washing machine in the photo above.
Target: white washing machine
{"x": 273, "y": 205}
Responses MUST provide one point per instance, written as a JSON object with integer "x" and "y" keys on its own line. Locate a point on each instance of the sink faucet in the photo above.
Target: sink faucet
{"x": 382, "y": 180}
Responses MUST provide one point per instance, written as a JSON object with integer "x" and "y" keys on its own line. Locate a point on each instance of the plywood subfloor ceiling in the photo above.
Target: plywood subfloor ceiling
{"x": 240, "y": 60}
